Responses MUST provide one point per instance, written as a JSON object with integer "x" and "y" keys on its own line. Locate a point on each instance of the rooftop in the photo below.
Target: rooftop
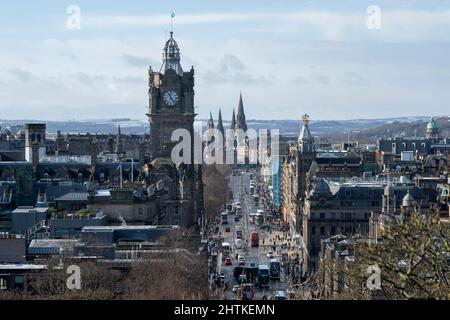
{"x": 30, "y": 210}
{"x": 55, "y": 243}
{"x": 73, "y": 196}
{"x": 113, "y": 228}
{"x": 22, "y": 267}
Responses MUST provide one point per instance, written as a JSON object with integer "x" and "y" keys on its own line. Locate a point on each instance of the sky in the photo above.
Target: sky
{"x": 287, "y": 57}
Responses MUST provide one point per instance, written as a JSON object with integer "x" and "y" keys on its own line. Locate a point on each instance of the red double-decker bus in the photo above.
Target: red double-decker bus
{"x": 254, "y": 238}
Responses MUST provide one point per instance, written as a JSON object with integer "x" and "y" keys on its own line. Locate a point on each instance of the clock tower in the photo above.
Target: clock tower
{"x": 171, "y": 101}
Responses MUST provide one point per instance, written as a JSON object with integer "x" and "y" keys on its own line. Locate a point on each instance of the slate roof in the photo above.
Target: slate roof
{"x": 74, "y": 196}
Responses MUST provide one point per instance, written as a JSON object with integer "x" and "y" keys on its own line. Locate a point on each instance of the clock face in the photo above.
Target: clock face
{"x": 170, "y": 98}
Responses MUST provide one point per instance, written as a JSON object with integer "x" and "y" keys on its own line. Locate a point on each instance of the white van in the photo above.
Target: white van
{"x": 239, "y": 243}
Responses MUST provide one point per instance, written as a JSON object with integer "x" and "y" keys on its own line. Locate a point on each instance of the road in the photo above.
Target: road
{"x": 240, "y": 185}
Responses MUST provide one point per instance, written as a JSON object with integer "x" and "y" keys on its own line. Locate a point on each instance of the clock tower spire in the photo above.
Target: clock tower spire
{"x": 171, "y": 56}
{"x": 171, "y": 101}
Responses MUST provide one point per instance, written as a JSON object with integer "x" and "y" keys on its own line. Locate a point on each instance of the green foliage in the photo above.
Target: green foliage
{"x": 83, "y": 213}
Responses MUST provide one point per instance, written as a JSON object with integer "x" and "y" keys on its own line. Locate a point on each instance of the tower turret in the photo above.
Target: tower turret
{"x": 432, "y": 129}
{"x": 305, "y": 140}
{"x": 171, "y": 56}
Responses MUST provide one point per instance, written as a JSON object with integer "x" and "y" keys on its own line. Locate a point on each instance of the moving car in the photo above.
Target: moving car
{"x": 228, "y": 261}
{"x": 241, "y": 260}
{"x": 224, "y": 219}
{"x": 270, "y": 255}
{"x": 238, "y": 229}
{"x": 227, "y": 229}
{"x": 239, "y": 243}
{"x": 274, "y": 269}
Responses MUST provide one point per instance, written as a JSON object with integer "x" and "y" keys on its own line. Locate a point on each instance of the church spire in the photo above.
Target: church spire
{"x": 241, "y": 123}
{"x": 210, "y": 121}
{"x": 220, "y": 123}
{"x": 119, "y": 142}
{"x": 233, "y": 121}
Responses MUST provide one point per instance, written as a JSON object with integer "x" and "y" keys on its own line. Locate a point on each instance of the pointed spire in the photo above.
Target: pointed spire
{"x": 119, "y": 143}
{"x": 233, "y": 121}
{"x": 220, "y": 122}
{"x": 241, "y": 123}
{"x": 210, "y": 121}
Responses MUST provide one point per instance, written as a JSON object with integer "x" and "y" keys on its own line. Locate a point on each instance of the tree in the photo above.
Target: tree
{"x": 175, "y": 272}
{"x": 216, "y": 190}
{"x": 412, "y": 257}
{"x": 97, "y": 283}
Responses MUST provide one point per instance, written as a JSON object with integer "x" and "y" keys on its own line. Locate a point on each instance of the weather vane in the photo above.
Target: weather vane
{"x": 172, "y": 15}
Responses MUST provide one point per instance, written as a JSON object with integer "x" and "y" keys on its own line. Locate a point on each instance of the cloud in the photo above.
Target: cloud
{"x": 21, "y": 75}
{"x": 354, "y": 79}
{"x": 312, "y": 77}
{"x": 397, "y": 25}
{"x": 300, "y": 80}
{"x": 231, "y": 69}
{"x": 138, "y": 62}
{"x": 230, "y": 63}
{"x": 112, "y": 21}
{"x": 70, "y": 55}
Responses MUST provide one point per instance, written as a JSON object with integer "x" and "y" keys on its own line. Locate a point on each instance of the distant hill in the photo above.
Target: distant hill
{"x": 397, "y": 128}
{"x": 364, "y": 130}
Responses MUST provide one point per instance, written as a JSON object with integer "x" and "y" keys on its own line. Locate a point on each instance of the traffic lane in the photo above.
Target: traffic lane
{"x": 241, "y": 188}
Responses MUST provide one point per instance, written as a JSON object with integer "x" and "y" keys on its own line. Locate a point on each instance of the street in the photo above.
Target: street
{"x": 272, "y": 240}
